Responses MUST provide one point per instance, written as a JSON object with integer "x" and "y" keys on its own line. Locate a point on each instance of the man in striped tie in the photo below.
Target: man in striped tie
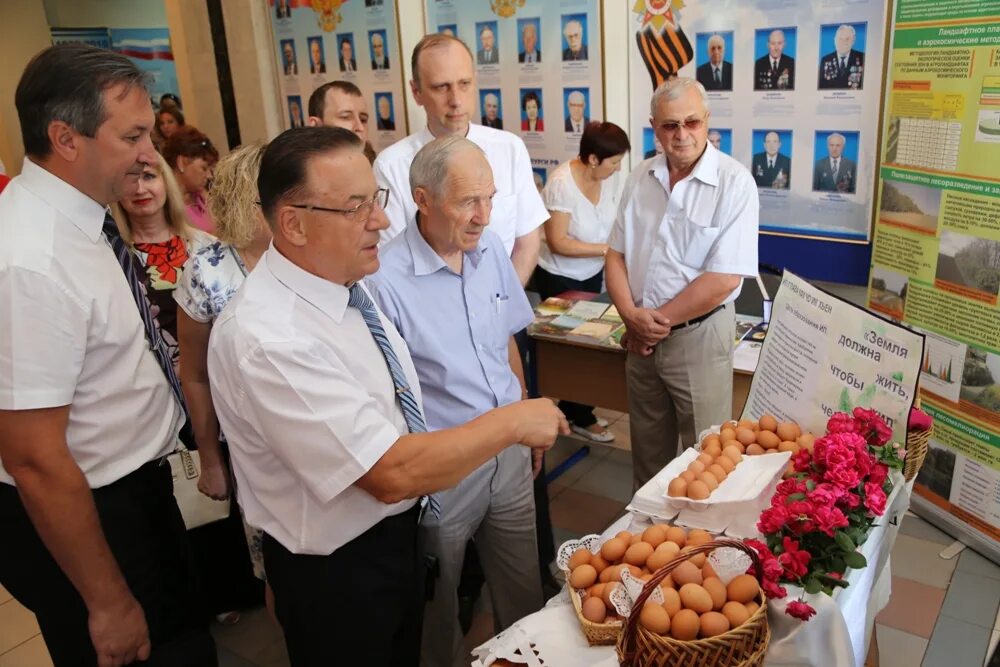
{"x": 321, "y": 405}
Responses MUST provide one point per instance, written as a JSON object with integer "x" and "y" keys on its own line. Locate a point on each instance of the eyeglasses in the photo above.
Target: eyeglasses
{"x": 362, "y": 212}
{"x": 691, "y": 125}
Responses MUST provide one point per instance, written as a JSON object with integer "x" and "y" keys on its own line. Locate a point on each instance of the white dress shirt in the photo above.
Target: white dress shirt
{"x": 72, "y": 334}
{"x": 707, "y": 224}
{"x": 307, "y": 404}
{"x": 588, "y": 222}
{"x": 517, "y": 206}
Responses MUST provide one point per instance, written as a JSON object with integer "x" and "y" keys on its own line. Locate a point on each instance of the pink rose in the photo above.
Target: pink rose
{"x": 773, "y": 520}
{"x": 844, "y": 477}
{"x": 829, "y": 519}
{"x": 841, "y": 423}
{"x": 875, "y": 499}
{"x": 800, "y": 610}
{"x": 793, "y": 560}
{"x": 872, "y": 427}
{"x": 919, "y": 420}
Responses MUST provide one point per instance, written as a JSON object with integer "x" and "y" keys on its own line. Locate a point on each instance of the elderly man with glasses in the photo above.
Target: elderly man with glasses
{"x": 684, "y": 239}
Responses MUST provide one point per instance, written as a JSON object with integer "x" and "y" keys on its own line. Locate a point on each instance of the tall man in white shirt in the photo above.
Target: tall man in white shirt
{"x": 94, "y": 544}
{"x": 444, "y": 83}
{"x": 448, "y": 286}
{"x": 320, "y": 402}
{"x": 684, "y": 238}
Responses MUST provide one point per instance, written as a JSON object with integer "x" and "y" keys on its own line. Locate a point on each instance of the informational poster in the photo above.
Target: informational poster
{"x": 793, "y": 93}
{"x": 349, "y": 40}
{"x": 538, "y": 66}
{"x": 824, "y": 355}
{"x": 98, "y": 37}
{"x": 936, "y": 253}
{"x": 149, "y": 49}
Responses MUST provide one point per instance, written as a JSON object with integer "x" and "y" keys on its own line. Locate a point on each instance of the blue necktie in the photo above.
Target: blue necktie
{"x": 156, "y": 344}
{"x": 407, "y": 402}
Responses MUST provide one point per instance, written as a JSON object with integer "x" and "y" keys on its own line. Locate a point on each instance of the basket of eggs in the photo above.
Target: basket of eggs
{"x": 593, "y": 572}
{"x": 702, "y": 621}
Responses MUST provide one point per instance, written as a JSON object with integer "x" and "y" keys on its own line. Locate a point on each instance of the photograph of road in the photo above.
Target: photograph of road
{"x": 888, "y": 292}
{"x": 913, "y": 206}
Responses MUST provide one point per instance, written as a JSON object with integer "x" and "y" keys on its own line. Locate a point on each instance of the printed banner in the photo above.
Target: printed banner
{"x": 794, "y": 90}
{"x": 936, "y": 253}
{"x": 98, "y": 37}
{"x": 538, "y": 65}
{"x": 149, "y": 49}
{"x": 349, "y": 40}
{"x": 824, "y": 355}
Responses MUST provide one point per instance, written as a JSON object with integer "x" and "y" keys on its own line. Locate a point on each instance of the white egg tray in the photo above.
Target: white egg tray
{"x": 732, "y": 508}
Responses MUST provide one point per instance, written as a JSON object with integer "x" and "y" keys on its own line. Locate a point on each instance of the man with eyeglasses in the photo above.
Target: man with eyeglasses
{"x": 684, "y": 239}
{"x": 321, "y": 405}
{"x": 448, "y": 287}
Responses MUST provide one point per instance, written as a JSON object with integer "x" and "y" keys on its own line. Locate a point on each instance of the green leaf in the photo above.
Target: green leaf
{"x": 898, "y": 376}
{"x": 838, "y": 565}
{"x": 810, "y": 485}
{"x": 845, "y": 401}
{"x": 845, "y": 542}
{"x": 796, "y": 496}
{"x": 865, "y": 400}
{"x": 812, "y": 585}
{"x": 855, "y": 560}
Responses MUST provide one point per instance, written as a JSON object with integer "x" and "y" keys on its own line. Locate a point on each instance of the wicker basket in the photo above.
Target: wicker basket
{"x": 743, "y": 646}
{"x": 597, "y": 634}
{"x": 916, "y": 450}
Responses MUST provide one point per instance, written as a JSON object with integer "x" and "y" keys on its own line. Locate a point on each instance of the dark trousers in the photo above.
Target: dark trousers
{"x": 550, "y": 284}
{"x": 145, "y": 531}
{"x": 361, "y": 605}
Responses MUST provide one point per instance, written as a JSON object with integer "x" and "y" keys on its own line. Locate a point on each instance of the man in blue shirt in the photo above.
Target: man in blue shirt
{"x": 450, "y": 288}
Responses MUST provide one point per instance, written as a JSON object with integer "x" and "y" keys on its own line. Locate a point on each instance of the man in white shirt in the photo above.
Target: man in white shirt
{"x": 444, "y": 83}
{"x": 684, "y": 238}
{"x": 94, "y": 543}
{"x": 320, "y": 403}
{"x": 341, "y": 104}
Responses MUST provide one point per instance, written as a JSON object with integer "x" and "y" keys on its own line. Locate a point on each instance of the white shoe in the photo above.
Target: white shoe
{"x": 602, "y": 422}
{"x": 604, "y": 436}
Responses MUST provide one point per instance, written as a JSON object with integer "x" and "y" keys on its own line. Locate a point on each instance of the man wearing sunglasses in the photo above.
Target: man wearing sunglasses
{"x": 321, "y": 406}
{"x": 684, "y": 239}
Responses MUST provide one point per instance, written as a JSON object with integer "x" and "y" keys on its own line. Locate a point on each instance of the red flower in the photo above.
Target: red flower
{"x": 843, "y": 476}
{"x": 773, "y": 519}
{"x": 772, "y": 570}
{"x": 879, "y": 474}
{"x": 800, "y": 610}
{"x": 841, "y": 423}
{"x": 826, "y": 494}
{"x": 875, "y": 498}
{"x": 802, "y": 461}
{"x": 829, "y": 519}
{"x": 872, "y": 427}
{"x": 793, "y": 560}
{"x": 919, "y": 420}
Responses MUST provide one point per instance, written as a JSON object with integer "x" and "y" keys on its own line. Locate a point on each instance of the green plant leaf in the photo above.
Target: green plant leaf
{"x": 812, "y": 585}
{"x": 845, "y": 401}
{"x": 855, "y": 560}
{"x": 845, "y": 542}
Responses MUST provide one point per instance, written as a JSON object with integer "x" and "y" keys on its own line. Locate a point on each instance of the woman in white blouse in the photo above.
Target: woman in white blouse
{"x": 582, "y": 198}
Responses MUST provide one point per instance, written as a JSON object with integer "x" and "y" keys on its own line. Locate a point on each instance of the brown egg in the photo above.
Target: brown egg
{"x": 597, "y": 560}
{"x": 635, "y": 539}
{"x": 806, "y": 441}
{"x": 755, "y": 449}
{"x": 696, "y": 598}
{"x": 658, "y": 559}
{"x": 767, "y": 440}
{"x": 743, "y": 588}
{"x": 667, "y": 582}
{"x": 707, "y": 571}
{"x": 614, "y": 549}
{"x": 670, "y": 547}
{"x": 654, "y": 536}
{"x": 688, "y": 476}
{"x": 698, "y": 536}
{"x": 713, "y": 449}
{"x": 710, "y": 481}
{"x": 726, "y": 463}
{"x": 671, "y": 601}
{"x": 747, "y": 424}
{"x": 709, "y": 439}
{"x": 698, "y": 490}
{"x": 718, "y": 471}
{"x": 594, "y": 610}
{"x": 687, "y": 573}
{"x": 633, "y": 569}
{"x": 736, "y": 613}
{"x": 677, "y": 488}
{"x": 606, "y": 595}
{"x": 596, "y": 590}
{"x": 733, "y": 443}
{"x": 788, "y": 446}
{"x": 768, "y": 423}
{"x": 752, "y": 607}
{"x": 685, "y": 625}
{"x": 654, "y": 618}
{"x": 697, "y": 467}
{"x": 638, "y": 553}
{"x": 610, "y": 573}
{"x": 677, "y": 535}
{"x": 713, "y": 623}
{"x": 733, "y": 454}
{"x": 732, "y": 423}
{"x": 788, "y": 431}
{"x": 728, "y": 433}
{"x": 746, "y": 436}
{"x": 716, "y": 589}
{"x": 706, "y": 459}
{"x": 698, "y": 560}
{"x": 579, "y": 557}
{"x": 583, "y": 576}
{"x": 624, "y": 536}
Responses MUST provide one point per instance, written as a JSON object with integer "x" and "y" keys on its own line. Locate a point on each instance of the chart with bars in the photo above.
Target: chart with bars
{"x": 922, "y": 142}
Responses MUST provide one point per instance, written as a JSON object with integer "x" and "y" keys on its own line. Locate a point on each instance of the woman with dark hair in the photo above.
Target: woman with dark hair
{"x": 168, "y": 120}
{"x": 192, "y": 157}
{"x": 531, "y": 104}
{"x": 582, "y": 198}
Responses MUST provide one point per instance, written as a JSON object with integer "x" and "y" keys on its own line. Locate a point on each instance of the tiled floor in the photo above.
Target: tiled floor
{"x": 943, "y": 613}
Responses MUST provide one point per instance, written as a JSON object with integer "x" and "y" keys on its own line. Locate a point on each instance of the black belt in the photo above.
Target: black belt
{"x": 696, "y": 320}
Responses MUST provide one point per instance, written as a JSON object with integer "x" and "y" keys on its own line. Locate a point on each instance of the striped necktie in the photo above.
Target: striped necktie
{"x": 407, "y": 402}
{"x": 132, "y": 272}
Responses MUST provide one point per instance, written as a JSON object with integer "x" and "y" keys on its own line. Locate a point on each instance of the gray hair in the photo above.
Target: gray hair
{"x": 66, "y": 82}
{"x": 671, "y": 89}
{"x": 836, "y": 135}
{"x": 847, "y": 27}
{"x": 717, "y": 39}
{"x": 488, "y": 96}
{"x": 576, "y": 96}
{"x": 429, "y": 169}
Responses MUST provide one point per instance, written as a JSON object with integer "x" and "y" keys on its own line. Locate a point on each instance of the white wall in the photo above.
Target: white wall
{"x": 105, "y": 13}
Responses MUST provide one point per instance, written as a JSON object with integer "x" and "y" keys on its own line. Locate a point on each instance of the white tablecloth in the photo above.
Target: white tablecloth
{"x": 837, "y": 636}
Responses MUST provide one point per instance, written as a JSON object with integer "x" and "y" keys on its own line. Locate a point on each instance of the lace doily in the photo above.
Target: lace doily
{"x": 729, "y": 563}
{"x": 513, "y": 645}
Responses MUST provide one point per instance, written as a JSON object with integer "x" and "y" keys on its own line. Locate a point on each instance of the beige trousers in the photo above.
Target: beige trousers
{"x": 684, "y": 387}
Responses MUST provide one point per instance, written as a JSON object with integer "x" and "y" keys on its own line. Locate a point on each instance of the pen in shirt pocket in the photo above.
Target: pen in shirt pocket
{"x": 498, "y": 300}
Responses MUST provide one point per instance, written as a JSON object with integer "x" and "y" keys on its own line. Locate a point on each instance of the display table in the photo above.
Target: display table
{"x": 837, "y": 636}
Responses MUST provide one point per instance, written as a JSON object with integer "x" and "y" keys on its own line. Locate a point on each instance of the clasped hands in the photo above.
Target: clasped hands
{"x": 644, "y": 328}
